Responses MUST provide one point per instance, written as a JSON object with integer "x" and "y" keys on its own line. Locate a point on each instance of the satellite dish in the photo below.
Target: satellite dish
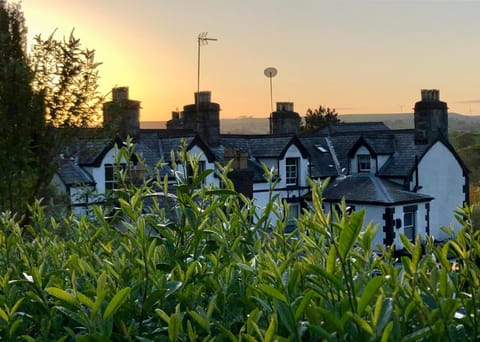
{"x": 270, "y": 72}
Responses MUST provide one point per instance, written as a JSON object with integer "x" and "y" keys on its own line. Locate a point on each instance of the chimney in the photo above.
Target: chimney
{"x": 284, "y": 120}
{"x": 431, "y": 118}
{"x": 122, "y": 114}
{"x": 203, "y": 117}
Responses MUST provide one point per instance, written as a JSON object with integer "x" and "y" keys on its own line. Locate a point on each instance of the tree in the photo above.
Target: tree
{"x": 66, "y": 75}
{"x": 20, "y": 111}
{"x": 320, "y": 118}
{"x": 54, "y": 87}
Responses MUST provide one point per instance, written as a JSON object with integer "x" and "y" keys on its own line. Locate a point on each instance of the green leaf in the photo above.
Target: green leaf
{"x": 163, "y": 315}
{"x": 362, "y": 323}
{"x": 303, "y": 304}
{"x": 84, "y": 300}
{"x": 201, "y": 177}
{"x": 350, "y": 233}
{"x": 330, "y": 267}
{"x": 3, "y": 315}
{"x": 62, "y": 295}
{"x": 287, "y": 318}
{"x": 75, "y": 315}
{"x": 418, "y": 335}
{"x": 386, "y": 333}
{"x": 174, "y": 327}
{"x": 328, "y": 276}
{"x": 272, "y": 292}
{"x": 407, "y": 244}
{"x": 116, "y": 302}
{"x": 272, "y": 327}
{"x": 221, "y": 192}
{"x": 369, "y": 292}
{"x": 200, "y": 320}
{"x": 172, "y": 286}
{"x": 98, "y": 303}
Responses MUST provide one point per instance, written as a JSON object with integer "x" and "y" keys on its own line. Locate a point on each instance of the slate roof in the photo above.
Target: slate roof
{"x": 381, "y": 144}
{"x": 366, "y": 188}
{"x": 90, "y": 152}
{"x": 351, "y": 127}
{"x": 321, "y": 161}
{"x": 148, "y": 146}
{"x": 260, "y": 146}
{"x": 404, "y": 160}
{"x": 72, "y": 174}
{"x": 399, "y": 144}
{"x": 328, "y": 150}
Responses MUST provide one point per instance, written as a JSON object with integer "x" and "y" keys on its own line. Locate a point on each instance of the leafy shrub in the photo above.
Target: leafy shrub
{"x": 205, "y": 264}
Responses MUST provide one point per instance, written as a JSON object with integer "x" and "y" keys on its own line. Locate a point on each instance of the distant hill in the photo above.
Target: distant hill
{"x": 456, "y": 122}
{"x": 250, "y": 125}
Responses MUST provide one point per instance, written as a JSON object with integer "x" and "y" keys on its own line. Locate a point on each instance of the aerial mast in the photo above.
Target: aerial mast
{"x": 270, "y": 72}
{"x": 202, "y": 40}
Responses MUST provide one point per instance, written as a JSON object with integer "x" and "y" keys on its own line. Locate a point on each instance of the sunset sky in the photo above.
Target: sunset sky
{"x": 356, "y": 56}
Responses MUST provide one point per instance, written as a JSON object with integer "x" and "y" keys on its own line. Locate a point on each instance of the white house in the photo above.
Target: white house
{"x": 408, "y": 181}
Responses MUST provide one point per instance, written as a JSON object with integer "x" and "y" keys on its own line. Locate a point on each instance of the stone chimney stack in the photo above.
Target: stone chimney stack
{"x": 431, "y": 118}
{"x": 203, "y": 117}
{"x": 284, "y": 120}
{"x": 122, "y": 114}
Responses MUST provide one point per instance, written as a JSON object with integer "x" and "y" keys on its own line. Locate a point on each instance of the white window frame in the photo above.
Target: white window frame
{"x": 410, "y": 226}
{"x": 362, "y": 162}
{"x": 291, "y": 171}
{"x": 111, "y": 181}
{"x": 294, "y": 210}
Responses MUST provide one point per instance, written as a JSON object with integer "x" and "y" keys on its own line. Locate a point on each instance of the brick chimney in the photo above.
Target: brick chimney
{"x": 431, "y": 118}
{"x": 122, "y": 114}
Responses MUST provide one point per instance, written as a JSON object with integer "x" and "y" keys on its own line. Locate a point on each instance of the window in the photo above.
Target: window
{"x": 293, "y": 214}
{"x": 291, "y": 170}
{"x": 111, "y": 179}
{"x": 409, "y": 223}
{"x": 363, "y": 163}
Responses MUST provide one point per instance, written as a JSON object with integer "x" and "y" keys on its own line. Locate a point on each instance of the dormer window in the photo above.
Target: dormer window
{"x": 291, "y": 170}
{"x": 363, "y": 163}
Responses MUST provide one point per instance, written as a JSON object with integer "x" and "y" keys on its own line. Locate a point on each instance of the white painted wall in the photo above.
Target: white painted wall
{"x": 441, "y": 177}
{"x": 98, "y": 173}
{"x": 80, "y": 197}
{"x": 197, "y": 152}
{"x": 374, "y": 214}
{"x": 354, "y": 160}
{"x": 293, "y": 152}
{"x": 420, "y": 223}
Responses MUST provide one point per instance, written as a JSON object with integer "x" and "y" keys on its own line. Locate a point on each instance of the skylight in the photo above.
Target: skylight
{"x": 321, "y": 148}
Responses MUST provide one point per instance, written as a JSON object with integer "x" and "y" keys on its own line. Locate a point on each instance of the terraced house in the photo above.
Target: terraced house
{"x": 409, "y": 181}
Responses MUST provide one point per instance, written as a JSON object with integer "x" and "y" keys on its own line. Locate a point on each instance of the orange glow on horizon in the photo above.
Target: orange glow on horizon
{"x": 355, "y": 62}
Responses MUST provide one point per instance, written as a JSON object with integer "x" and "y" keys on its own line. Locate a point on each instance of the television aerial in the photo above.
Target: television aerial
{"x": 271, "y": 72}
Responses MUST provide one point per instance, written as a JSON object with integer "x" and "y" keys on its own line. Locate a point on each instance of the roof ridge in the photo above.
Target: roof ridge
{"x": 380, "y": 187}
{"x": 331, "y": 148}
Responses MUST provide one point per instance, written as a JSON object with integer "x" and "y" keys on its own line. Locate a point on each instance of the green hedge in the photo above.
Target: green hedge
{"x": 207, "y": 266}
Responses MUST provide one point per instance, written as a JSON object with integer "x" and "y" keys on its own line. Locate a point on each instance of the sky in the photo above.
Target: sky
{"x": 357, "y": 56}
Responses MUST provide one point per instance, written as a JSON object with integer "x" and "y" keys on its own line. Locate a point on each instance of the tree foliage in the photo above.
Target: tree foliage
{"x": 212, "y": 266}
{"x": 319, "y": 118}
{"x": 21, "y": 112}
{"x": 66, "y": 75}
{"x": 55, "y": 86}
